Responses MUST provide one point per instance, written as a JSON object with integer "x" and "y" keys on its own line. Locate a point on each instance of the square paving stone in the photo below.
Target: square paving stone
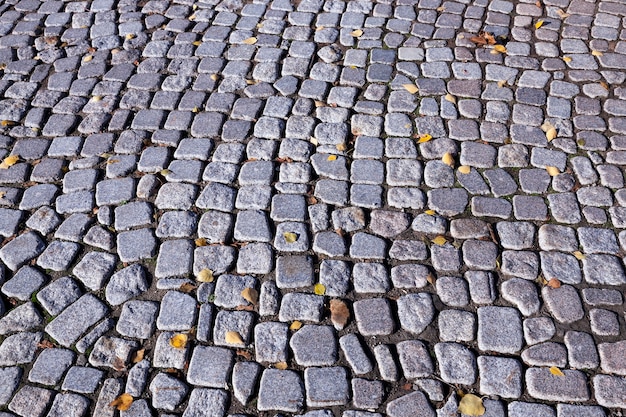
{"x": 31, "y": 401}
{"x": 59, "y": 294}
{"x": 326, "y": 386}
{"x": 543, "y": 385}
{"x": 270, "y": 342}
{"x": 314, "y": 346}
{"x": 281, "y": 391}
{"x": 95, "y": 269}
{"x": 135, "y": 245}
{"x": 68, "y": 326}
{"x": 126, "y": 284}
{"x": 500, "y": 376}
{"x": 367, "y": 394}
{"x": 210, "y": 367}
{"x": 370, "y": 278}
{"x": 177, "y": 312}
{"x": 229, "y": 288}
{"x": 132, "y": 215}
{"x": 212, "y": 402}
{"x": 499, "y": 329}
{"x": 82, "y": 379}
{"x": 21, "y": 249}
{"x": 167, "y": 356}
{"x": 217, "y": 258}
{"x": 137, "y": 319}
{"x": 24, "y": 283}
{"x": 9, "y": 380}
{"x": 299, "y": 306}
{"x": 174, "y": 258}
{"x": 240, "y": 322}
{"x": 374, "y": 317}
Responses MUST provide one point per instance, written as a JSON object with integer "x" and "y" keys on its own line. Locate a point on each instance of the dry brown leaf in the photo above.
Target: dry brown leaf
{"x": 118, "y": 364}
{"x": 9, "y": 161}
{"x": 554, "y": 283}
{"x": 87, "y": 58}
{"x": 45, "y": 344}
{"x": 138, "y": 356}
{"x": 471, "y": 405}
{"x": 179, "y": 341}
{"x": 206, "y": 275}
{"x": 200, "y": 241}
{"x": 233, "y": 338}
{"x": 250, "y": 41}
{"x": 478, "y": 40}
{"x": 604, "y": 85}
{"x": 244, "y": 353}
{"x": 556, "y": 371}
{"x": 123, "y": 402}
{"x": 339, "y": 313}
{"x": 250, "y": 295}
{"x": 214, "y": 77}
{"x": 187, "y": 287}
{"x": 430, "y": 278}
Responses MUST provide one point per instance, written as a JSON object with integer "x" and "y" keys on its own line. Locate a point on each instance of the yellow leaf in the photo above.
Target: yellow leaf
{"x": 471, "y": 405}
{"x": 341, "y": 147}
{"x": 332, "y": 157}
{"x": 123, "y": 402}
{"x": 165, "y": 172}
{"x": 498, "y": 49}
{"x": 251, "y": 82}
{"x": 295, "y": 325}
{"x": 562, "y": 14}
{"x": 206, "y": 275}
{"x": 290, "y": 237}
{"x": 130, "y": 36}
{"x": 7, "y": 123}
{"x": 179, "y": 341}
{"x": 556, "y": 371}
{"x": 213, "y": 77}
{"x": 195, "y": 109}
{"x": 138, "y": 356}
{"x": 539, "y": 24}
{"x": 411, "y": 88}
{"x": 449, "y": 97}
{"x": 9, "y": 161}
{"x": 440, "y": 240}
{"x": 501, "y": 83}
{"x": 281, "y": 365}
{"x": 250, "y": 41}
{"x": 447, "y": 159}
{"x": 430, "y": 212}
{"x": 579, "y": 255}
{"x": 233, "y": 338}
{"x": 567, "y": 59}
{"x": 553, "y": 171}
{"x": 313, "y": 141}
{"x": 87, "y": 58}
{"x": 596, "y": 53}
{"x": 465, "y": 169}
{"x": 96, "y": 99}
{"x": 2, "y": 194}
{"x": 546, "y": 126}
{"x": 112, "y": 161}
{"x": 356, "y": 33}
{"x": 551, "y": 134}
{"x": 201, "y": 241}
{"x": 197, "y": 43}
{"x": 441, "y": 9}
{"x": 424, "y": 138}
{"x": 319, "y": 289}
{"x": 250, "y": 295}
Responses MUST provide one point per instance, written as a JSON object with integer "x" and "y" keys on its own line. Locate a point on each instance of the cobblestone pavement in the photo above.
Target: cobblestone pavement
{"x": 350, "y": 208}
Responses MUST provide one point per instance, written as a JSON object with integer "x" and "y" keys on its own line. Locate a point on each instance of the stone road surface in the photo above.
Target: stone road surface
{"x": 188, "y": 187}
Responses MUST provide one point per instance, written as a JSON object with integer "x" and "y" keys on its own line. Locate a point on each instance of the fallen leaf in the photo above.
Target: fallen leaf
{"x": 123, "y": 402}
{"x": 471, "y": 405}
{"x": 431, "y": 279}
{"x": 546, "y": 126}
{"x": 579, "y": 255}
{"x": 553, "y": 171}
{"x": 118, "y": 364}
{"x": 447, "y": 159}
{"x": 187, "y": 287}
{"x": 290, "y": 237}
{"x": 250, "y": 295}
{"x": 430, "y": 212}
{"x": 551, "y": 134}
{"x": 112, "y": 161}
{"x": 465, "y": 169}
{"x": 319, "y": 103}
{"x": 542, "y": 280}
{"x": 250, "y": 41}
{"x": 195, "y": 109}
{"x": 281, "y": 365}
{"x": 356, "y": 33}
{"x": 313, "y": 141}
{"x": 440, "y": 240}
{"x": 556, "y": 371}
{"x": 539, "y": 24}
{"x": 244, "y": 353}
{"x": 339, "y": 313}
{"x": 411, "y": 88}
{"x": 87, "y": 58}
{"x": 538, "y": 4}
{"x": 196, "y": 43}
{"x": 7, "y": 123}
{"x": 441, "y": 9}
{"x": 233, "y": 338}
{"x": 478, "y": 40}
{"x": 341, "y": 147}
{"x": 200, "y": 241}
{"x": 165, "y": 172}
{"x": 319, "y": 28}
{"x": 332, "y": 157}
{"x": 596, "y": 53}
{"x": 205, "y": 275}
{"x": 138, "y": 356}
{"x": 498, "y": 49}
{"x": 604, "y": 85}
{"x": 567, "y": 59}
{"x": 9, "y": 161}
{"x": 449, "y": 97}
{"x": 45, "y": 344}
{"x": 425, "y": 137}
{"x": 562, "y": 14}
{"x": 319, "y": 289}
{"x": 130, "y": 36}
{"x": 214, "y": 77}
{"x": 295, "y": 325}
{"x": 554, "y": 283}
{"x": 179, "y": 340}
